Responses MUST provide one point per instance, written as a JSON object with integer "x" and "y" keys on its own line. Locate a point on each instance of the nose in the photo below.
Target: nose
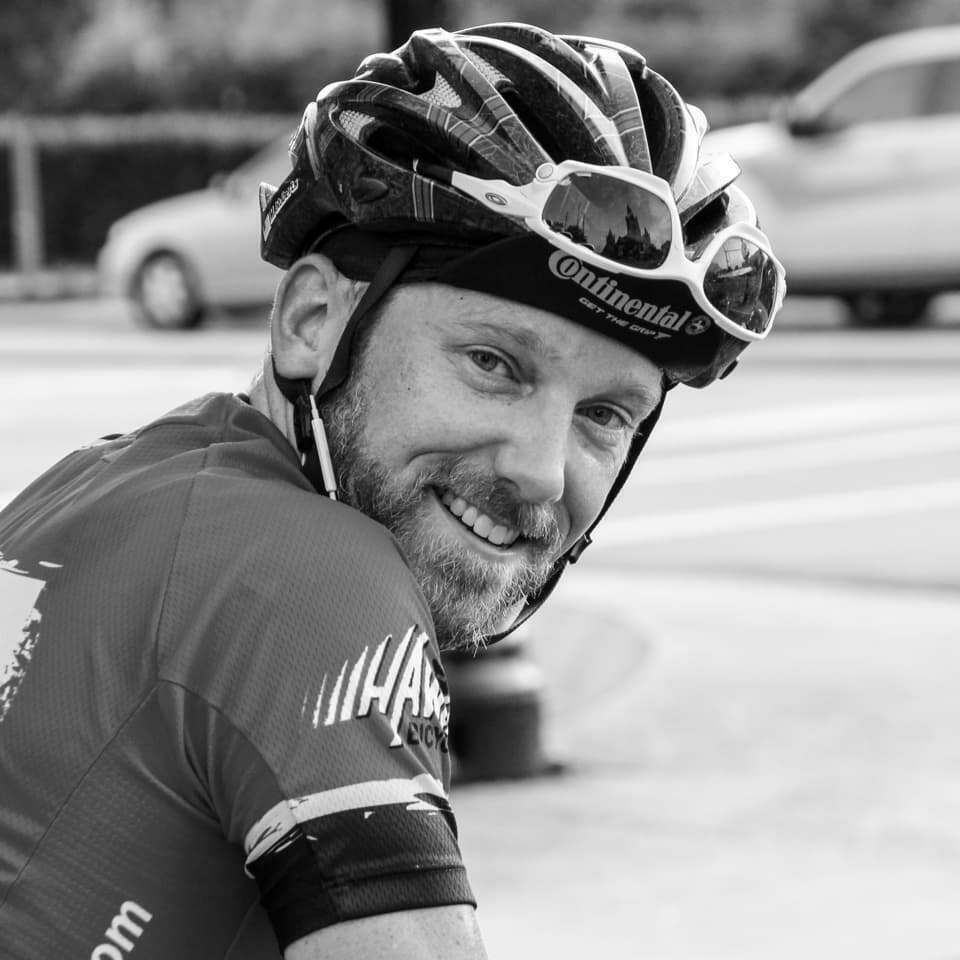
{"x": 533, "y": 455}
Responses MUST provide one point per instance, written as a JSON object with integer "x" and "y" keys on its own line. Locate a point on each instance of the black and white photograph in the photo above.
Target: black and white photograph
{"x": 480, "y": 479}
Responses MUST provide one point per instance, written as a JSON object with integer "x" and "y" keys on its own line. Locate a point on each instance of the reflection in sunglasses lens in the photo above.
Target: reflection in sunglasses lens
{"x": 615, "y": 219}
{"x": 741, "y": 282}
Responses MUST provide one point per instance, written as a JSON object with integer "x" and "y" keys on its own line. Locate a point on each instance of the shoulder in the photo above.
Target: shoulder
{"x": 275, "y": 567}
{"x": 276, "y": 581}
{"x": 249, "y": 498}
{"x": 294, "y": 540}
{"x": 253, "y": 536}
{"x": 218, "y": 481}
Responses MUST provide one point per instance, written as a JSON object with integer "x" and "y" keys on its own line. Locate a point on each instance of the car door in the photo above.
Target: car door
{"x": 935, "y": 165}
{"x": 869, "y": 192}
{"x": 230, "y": 236}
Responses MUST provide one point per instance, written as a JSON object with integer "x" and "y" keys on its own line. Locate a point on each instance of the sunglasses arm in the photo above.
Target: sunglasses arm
{"x": 496, "y": 195}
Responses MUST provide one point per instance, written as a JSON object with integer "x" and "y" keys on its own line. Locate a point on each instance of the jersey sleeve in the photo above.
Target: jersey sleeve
{"x": 310, "y": 701}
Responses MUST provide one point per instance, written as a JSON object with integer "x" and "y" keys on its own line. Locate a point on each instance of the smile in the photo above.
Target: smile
{"x": 478, "y": 522}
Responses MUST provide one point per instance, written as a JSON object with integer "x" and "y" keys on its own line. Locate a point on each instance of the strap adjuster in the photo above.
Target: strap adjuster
{"x": 574, "y": 553}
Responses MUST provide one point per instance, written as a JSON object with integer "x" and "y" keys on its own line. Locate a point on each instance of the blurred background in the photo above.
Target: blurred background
{"x": 732, "y": 733}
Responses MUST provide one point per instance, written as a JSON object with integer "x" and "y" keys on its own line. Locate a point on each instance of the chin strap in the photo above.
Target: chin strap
{"x": 308, "y": 428}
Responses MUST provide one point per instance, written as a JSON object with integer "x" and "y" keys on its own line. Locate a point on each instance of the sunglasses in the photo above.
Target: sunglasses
{"x": 626, "y": 220}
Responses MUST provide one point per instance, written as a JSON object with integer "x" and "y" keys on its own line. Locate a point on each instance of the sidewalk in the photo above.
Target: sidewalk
{"x": 755, "y": 771}
{"x": 48, "y": 284}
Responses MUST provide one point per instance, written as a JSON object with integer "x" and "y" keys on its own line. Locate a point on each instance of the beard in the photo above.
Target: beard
{"x": 470, "y": 596}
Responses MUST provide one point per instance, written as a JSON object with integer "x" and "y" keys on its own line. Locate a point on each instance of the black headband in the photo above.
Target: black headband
{"x": 359, "y": 254}
{"x": 658, "y": 318}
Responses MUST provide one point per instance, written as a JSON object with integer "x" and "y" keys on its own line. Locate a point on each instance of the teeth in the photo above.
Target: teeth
{"x": 498, "y": 535}
{"x": 483, "y": 526}
{"x": 456, "y": 504}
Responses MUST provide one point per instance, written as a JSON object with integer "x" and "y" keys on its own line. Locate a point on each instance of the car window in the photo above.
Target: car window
{"x": 272, "y": 163}
{"x": 893, "y": 93}
{"x": 945, "y": 96}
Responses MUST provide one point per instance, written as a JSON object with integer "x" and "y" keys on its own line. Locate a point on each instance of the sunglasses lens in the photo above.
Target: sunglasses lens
{"x": 742, "y": 282}
{"x": 617, "y": 220}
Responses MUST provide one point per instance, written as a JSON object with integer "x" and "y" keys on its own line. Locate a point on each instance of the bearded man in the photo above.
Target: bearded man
{"x": 502, "y": 248}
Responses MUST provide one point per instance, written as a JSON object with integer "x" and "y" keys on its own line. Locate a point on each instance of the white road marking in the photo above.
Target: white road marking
{"x": 813, "y": 419}
{"x": 771, "y": 514}
{"x": 180, "y": 380}
{"x": 799, "y": 455}
{"x": 98, "y": 346}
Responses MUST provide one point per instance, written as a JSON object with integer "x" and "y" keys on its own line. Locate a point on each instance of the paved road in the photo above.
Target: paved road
{"x": 762, "y": 773}
{"x": 836, "y": 457}
{"x": 751, "y": 677}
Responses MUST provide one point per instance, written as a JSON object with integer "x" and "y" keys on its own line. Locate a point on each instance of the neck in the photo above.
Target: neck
{"x": 265, "y": 396}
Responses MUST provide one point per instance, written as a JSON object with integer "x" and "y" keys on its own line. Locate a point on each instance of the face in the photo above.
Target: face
{"x": 485, "y": 436}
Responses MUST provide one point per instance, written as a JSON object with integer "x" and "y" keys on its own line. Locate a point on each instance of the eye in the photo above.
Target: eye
{"x": 605, "y": 416}
{"x": 487, "y": 360}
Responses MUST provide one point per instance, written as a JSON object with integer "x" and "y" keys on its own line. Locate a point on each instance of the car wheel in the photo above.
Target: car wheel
{"x": 165, "y": 293}
{"x": 906, "y": 308}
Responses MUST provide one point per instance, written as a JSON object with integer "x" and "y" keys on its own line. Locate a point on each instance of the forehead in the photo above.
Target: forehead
{"x": 437, "y": 312}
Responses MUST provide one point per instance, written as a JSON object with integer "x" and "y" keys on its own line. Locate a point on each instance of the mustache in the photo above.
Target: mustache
{"x": 365, "y": 484}
{"x": 538, "y": 523}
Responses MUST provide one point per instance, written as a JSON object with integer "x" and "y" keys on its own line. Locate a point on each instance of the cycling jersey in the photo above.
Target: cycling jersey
{"x": 222, "y": 707}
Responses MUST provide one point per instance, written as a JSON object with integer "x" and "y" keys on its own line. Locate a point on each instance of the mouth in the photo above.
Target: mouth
{"x": 486, "y": 528}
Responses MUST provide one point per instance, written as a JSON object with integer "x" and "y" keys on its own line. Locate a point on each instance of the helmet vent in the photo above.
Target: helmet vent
{"x": 490, "y": 72}
{"x": 442, "y": 94}
{"x": 354, "y": 122}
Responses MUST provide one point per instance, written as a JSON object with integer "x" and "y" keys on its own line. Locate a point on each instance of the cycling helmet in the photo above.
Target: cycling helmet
{"x": 374, "y": 170}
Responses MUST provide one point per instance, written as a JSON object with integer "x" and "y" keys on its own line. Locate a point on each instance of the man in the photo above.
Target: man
{"x": 223, "y": 719}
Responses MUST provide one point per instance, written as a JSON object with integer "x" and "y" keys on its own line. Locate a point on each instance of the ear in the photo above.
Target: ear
{"x": 314, "y": 301}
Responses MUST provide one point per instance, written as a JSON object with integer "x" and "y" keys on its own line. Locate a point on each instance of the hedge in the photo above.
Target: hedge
{"x": 94, "y": 170}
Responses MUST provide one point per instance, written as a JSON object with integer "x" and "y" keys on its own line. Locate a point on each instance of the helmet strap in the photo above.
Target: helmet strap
{"x": 297, "y": 391}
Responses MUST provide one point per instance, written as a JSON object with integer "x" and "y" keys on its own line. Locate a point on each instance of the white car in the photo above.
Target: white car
{"x": 176, "y": 258}
{"x": 857, "y": 178}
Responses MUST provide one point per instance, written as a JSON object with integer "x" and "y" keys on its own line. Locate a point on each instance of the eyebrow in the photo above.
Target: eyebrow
{"x": 640, "y": 394}
{"x": 529, "y": 340}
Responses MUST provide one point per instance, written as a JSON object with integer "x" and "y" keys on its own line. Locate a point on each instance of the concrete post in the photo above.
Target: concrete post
{"x": 497, "y": 713}
{"x": 27, "y": 201}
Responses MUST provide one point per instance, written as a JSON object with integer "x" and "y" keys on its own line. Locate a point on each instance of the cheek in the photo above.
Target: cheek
{"x": 587, "y": 484}
{"x": 407, "y": 415}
